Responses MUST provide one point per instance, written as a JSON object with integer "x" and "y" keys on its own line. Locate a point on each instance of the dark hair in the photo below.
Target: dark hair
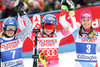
{"x": 80, "y": 30}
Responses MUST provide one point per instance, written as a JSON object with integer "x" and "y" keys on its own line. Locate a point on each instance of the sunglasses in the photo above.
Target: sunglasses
{"x": 13, "y": 28}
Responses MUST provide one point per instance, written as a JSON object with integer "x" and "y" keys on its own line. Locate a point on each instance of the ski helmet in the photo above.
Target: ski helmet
{"x": 49, "y": 18}
{"x": 9, "y": 21}
{"x": 49, "y": 21}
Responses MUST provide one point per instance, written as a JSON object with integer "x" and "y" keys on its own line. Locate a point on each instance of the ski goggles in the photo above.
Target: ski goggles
{"x": 13, "y": 28}
{"x": 49, "y": 26}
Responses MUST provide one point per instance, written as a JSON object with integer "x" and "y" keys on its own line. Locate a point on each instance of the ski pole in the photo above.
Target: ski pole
{"x": 35, "y": 56}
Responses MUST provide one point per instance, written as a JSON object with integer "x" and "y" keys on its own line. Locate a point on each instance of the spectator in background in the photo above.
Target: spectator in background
{"x": 79, "y": 3}
{"x": 49, "y": 6}
{"x": 30, "y": 6}
{"x": 26, "y": 1}
{"x": 6, "y": 2}
{"x": 2, "y": 7}
{"x": 9, "y": 10}
{"x": 34, "y": 8}
{"x": 41, "y": 2}
{"x": 57, "y": 5}
{"x": 90, "y": 2}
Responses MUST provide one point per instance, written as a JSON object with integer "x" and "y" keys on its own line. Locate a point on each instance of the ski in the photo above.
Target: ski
{"x": 36, "y": 29}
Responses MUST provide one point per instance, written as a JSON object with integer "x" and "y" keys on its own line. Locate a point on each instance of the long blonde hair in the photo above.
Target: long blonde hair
{"x": 1, "y": 34}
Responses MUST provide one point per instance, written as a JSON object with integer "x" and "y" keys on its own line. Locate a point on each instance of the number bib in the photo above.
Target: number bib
{"x": 86, "y": 48}
{"x": 11, "y": 53}
{"x": 86, "y": 52}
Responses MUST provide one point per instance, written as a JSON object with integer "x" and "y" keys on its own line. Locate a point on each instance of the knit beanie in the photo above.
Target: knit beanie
{"x": 86, "y": 14}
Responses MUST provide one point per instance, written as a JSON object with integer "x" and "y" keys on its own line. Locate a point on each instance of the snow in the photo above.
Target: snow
{"x": 65, "y": 59}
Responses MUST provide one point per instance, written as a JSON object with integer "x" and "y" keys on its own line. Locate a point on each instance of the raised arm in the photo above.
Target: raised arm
{"x": 27, "y": 31}
{"x": 67, "y": 18}
{"x": 19, "y": 7}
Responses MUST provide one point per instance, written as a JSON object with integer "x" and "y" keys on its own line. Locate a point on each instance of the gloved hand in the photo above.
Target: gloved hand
{"x": 19, "y": 7}
{"x": 43, "y": 61}
{"x": 68, "y": 3}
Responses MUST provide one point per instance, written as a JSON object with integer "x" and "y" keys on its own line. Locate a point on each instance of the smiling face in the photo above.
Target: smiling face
{"x": 48, "y": 31}
{"x": 49, "y": 28}
{"x": 10, "y": 33}
{"x": 86, "y": 23}
{"x": 10, "y": 30}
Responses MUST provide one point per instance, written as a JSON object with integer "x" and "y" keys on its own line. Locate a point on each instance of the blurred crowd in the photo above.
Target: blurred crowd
{"x": 31, "y": 6}
{"x": 36, "y": 6}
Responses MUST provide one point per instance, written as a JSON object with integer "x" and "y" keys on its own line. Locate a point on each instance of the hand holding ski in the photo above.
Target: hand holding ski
{"x": 68, "y": 3}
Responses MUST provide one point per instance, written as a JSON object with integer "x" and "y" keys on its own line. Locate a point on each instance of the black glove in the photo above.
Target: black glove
{"x": 19, "y": 7}
{"x": 64, "y": 3}
{"x": 69, "y": 4}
